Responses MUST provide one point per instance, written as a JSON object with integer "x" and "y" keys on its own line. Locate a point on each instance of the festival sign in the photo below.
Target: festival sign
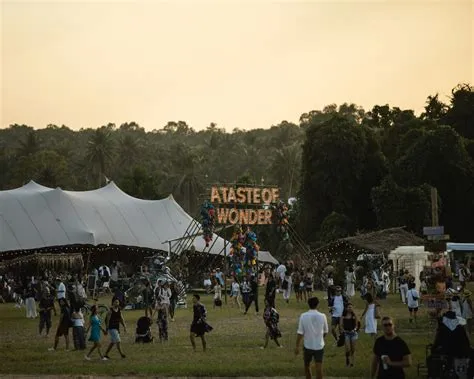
{"x": 239, "y": 205}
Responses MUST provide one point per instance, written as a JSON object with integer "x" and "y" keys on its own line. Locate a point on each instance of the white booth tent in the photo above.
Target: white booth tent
{"x": 411, "y": 258}
{"x": 35, "y": 217}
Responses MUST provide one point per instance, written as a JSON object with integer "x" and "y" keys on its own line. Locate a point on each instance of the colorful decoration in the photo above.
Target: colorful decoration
{"x": 207, "y": 221}
{"x": 243, "y": 252}
{"x": 281, "y": 214}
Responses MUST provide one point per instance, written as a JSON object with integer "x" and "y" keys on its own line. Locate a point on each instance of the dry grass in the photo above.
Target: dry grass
{"x": 233, "y": 346}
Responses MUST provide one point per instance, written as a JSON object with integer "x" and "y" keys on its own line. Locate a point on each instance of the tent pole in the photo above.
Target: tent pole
{"x": 225, "y": 269}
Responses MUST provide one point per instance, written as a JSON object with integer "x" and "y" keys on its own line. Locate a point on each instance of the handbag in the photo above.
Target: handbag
{"x": 341, "y": 340}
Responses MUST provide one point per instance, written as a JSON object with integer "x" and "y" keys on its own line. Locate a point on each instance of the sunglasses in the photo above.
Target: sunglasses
{"x": 388, "y": 324}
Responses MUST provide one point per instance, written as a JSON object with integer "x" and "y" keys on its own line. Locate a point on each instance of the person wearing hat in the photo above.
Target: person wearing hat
{"x": 466, "y": 309}
{"x": 337, "y": 303}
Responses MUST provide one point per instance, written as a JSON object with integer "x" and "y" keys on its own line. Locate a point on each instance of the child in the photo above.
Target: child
{"x": 271, "y": 318}
{"x": 78, "y": 335}
{"x": 199, "y": 326}
{"x": 217, "y": 295}
{"x": 95, "y": 328}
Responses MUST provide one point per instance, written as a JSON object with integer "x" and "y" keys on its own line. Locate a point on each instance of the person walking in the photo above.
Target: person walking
{"x": 312, "y": 329}
{"x": 270, "y": 290}
{"x": 337, "y": 303}
{"x": 350, "y": 282}
{"x": 162, "y": 321}
{"x": 235, "y": 293}
{"x": 271, "y": 319}
{"x": 217, "y": 295}
{"x": 64, "y": 324}
{"x": 350, "y": 326}
{"x": 46, "y": 305}
{"x": 390, "y": 354}
{"x": 78, "y": 331}
{"x": 412, "y": 301}
{"x": 199, "y": 326}
{"x": 164, "y": 294}
{"x": 113, "y": 320}
{"x": 371, "y": 315}
{"x": 286, "y": 286}
{"x": 95, "y": 327}
{"x": 147, "y": 299}
{"x": 246, "y": 290}
{"x": 30, "y": 303}
{"x": 173, "y": 300}
{"x": 253, "y": 295}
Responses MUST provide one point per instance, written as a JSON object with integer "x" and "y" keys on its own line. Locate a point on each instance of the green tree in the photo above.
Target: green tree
{"x": 460, "y": 114}
{"x": 397, "y": 206}
{"x": 435, "y": 110}
{"x": 336, "y": 226}
{"x": 439, "y": 158}
{"x": 100, "y": 152}
{"x": 333, "y": 163}
{"x": 45, "y": 167}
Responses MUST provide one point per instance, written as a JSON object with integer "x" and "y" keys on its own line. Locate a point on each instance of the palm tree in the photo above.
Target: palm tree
{"x": 30, "y": 145}
{"x": 186, "y": 164}
{"x": 100, "y": 152}
{"x": 129, "y": 151}
{"x": 286, "y": 166}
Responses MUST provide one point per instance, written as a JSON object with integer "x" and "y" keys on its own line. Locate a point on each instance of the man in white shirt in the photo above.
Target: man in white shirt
{"x": 312, "y": 328}
{"x": 61, "y": 291}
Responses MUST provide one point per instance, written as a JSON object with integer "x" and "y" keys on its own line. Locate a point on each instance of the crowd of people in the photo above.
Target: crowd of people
{"x": 390, "y": 353}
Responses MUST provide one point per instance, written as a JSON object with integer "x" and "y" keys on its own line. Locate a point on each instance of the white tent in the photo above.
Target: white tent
{"x": 35, "y": 217}
{"x": 411, "y": 258}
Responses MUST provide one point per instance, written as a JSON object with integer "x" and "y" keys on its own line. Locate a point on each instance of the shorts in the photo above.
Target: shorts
{"x": 114, "y": 335}
{"x": 351, "y": 336}
{"x": 335, "y": 321}
{"x": 413, "y": 309}
{"x": 309, "y": 355}
{"x": 63, "y": 330}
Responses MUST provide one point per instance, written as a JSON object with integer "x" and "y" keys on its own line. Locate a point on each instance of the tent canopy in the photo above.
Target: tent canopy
{"x": 36, "y": 217}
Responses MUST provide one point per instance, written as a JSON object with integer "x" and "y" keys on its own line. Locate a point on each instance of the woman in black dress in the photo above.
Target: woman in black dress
{"x": 199, "y": 325}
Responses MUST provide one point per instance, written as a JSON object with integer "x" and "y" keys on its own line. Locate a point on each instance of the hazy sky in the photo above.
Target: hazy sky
{"x": 245, "y": 64}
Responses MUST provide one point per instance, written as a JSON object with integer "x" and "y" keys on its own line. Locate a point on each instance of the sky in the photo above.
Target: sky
{"x": 241, "y": 64}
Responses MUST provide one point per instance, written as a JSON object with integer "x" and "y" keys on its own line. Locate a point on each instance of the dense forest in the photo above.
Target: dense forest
{"x": 350, "y": 169}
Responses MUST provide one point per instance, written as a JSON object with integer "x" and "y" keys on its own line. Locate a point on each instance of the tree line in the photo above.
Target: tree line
{"x": 350, "y": 169}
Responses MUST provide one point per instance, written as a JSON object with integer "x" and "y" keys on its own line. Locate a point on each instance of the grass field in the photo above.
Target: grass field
{"x": 233, "y": 345}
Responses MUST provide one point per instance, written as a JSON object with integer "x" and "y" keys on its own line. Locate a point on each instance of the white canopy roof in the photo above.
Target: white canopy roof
{"x": 34, "y": 217}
